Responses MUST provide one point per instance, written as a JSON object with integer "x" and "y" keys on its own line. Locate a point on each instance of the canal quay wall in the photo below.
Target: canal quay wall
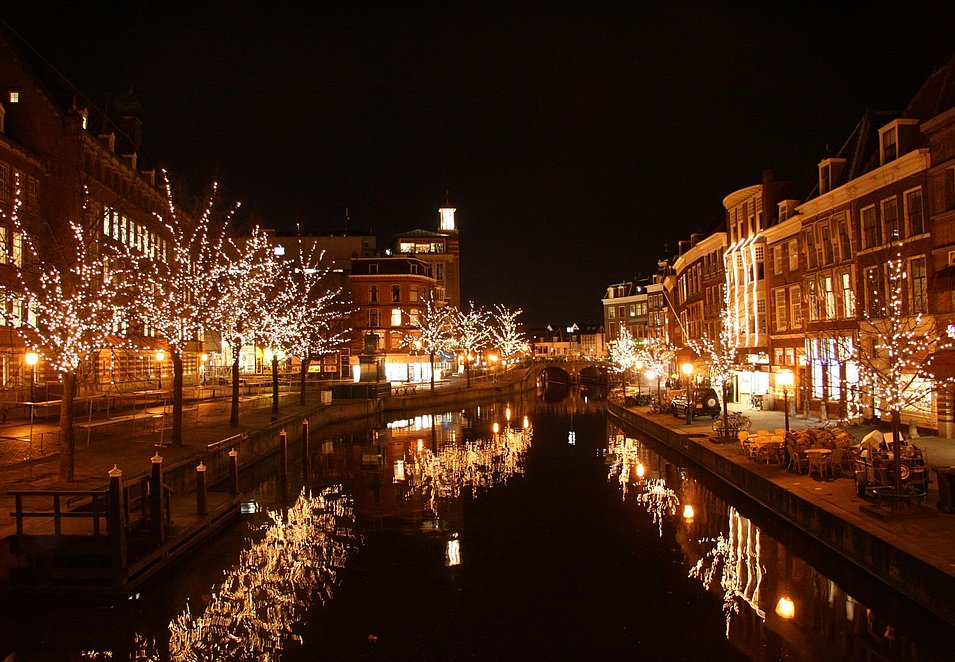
{"x": 254, "y": 446}
{"x": 913, "y": 573}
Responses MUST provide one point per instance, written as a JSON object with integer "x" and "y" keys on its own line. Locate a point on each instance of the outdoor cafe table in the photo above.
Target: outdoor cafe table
{"x": 764, "y": 448}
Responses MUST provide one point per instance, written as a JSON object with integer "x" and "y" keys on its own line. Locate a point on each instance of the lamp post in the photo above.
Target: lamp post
{"x": 31, "y": 359}
{"x": 688, "y": 370}
{"x": 784, "y": 378}
{"x": 160, "y": 356}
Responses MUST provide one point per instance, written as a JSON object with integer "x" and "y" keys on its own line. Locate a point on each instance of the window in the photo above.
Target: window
{"x": 396, "y": 293}
{"x": 811, "y": 255}
{"x": 4, "y": 182}
{"x": 439, "y": 271}
{"x": 890, "y": 218}
{"x": 845, "y": 245}
{"x": 919, "y": 294}
{"x": 848, "y": 296}
{"x": 396, "y": 317}
{"x": 889, "y": 144}
{"x": 18, "y": 249}
{"x": 14, "y": 96}
{"x": 824, "y": 181}
{"x": 611, "y": 312}
{"x": 374, "y": 317}
{"x": 873, "y": 292}
{"x": 373, "y": 268}
{"x": 777, "y": 259}
{"x": 829, "y": 297}
{"x": 813, "y": 301}
{"x": 793, "y": 255}
{"x": 913, "y": 212}
{"x": 622, "y": 312}
{"x": 414, "y": 317}
{"x": 633, "y": 310}
{"x": 414, "y": 293}
{"x": 781, "y": 323}
{"x": 828, "y": 250}
{"x": 871, "y": 233}
{"x": 373, "y": 294}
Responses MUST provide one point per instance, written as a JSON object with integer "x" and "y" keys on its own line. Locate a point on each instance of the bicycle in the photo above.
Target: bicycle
{"x": 657, "y": 407}
{"x": 734, "y": 420}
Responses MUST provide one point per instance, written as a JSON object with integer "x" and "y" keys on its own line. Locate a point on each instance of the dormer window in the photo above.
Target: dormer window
{"x": 830, "y": 172}
{"x": 890, "y": 144}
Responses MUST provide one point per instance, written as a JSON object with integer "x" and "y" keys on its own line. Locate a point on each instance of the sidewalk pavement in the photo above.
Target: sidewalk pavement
{"x": 930, "y": 538}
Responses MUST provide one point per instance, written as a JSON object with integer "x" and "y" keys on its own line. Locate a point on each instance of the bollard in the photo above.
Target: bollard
{"x": 283, "y": 442}
{"x": 234, "y": 471}
{"x": 116, "y": 522}
{"x": 201, "y": 489}
{"x": 305, "y": 449}
{"x": 158, "y": 521}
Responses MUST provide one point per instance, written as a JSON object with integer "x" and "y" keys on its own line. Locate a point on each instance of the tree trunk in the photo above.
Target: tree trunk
{"x": 177, "y": 371}
{"x": 234, "y": 416}
{"x": 467, "y": 371}
{"x": 302, "y": 380}
{"x": 897, "y": 458}
{"x": 67, "y": 433}
{"x": 432, "y": 371}
{"x": 726, "y": 412}
{"x": 275, "y": 386}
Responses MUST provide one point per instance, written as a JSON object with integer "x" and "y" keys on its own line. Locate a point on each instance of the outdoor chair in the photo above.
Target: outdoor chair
{"x": 819, "y": 464}
{"x": 797, "y": 458}
{"x": 841, "y": 460}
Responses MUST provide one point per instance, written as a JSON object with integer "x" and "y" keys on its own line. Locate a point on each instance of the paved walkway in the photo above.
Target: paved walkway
{"x": 930, "y": 538}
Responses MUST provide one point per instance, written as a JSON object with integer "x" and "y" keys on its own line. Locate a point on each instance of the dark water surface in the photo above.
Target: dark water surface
{"x": 519, "y": 530}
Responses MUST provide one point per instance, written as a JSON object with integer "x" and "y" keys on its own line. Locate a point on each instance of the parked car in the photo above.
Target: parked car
{"x": 705, "y": 401}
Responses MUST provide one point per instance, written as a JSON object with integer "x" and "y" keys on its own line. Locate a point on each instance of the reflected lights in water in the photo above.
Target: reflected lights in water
{"x": 252, "y": 613}
{"x": 478, "y": 465}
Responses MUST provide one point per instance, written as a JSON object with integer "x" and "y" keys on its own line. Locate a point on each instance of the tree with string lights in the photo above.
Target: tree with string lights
{"x": 67, "y": 305}
{"x": 505, "y": 333}
{"x": 470, "y": 333}
{"x": 244, "y": 285}
{"x": 721, "y": 357}
{"x": 432, "y": 332}
{"x": 305, "y": 316}
{"x": 623, "y": 355}
{"x": 177, "y": 293}
{"x": 895, "y": 353}
{"x": 657, "y": 356}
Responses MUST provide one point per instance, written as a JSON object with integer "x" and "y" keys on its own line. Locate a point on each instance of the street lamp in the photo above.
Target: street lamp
{"x": 31, "y": 359}
{"x": 687, "y": 369}
{"x": 784, "y": 378}
{"x": 160, "y": 356}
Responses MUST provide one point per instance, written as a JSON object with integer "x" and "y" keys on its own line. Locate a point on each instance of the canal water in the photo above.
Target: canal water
{"x": 529, "y": 529}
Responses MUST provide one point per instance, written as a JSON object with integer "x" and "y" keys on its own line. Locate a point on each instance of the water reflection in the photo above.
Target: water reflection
{"x": 252, "y": 614}
{"x": 776, "y": 605}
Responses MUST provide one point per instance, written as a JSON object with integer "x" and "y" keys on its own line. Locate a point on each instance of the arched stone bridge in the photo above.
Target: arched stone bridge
{"x": 574, "y": 372}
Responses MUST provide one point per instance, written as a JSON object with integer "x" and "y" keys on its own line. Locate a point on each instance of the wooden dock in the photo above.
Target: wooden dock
{"x": 109, "y": 541}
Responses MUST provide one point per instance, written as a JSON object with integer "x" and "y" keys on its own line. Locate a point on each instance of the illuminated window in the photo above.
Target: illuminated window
{"x": 813, "y": 301}
{"x": 414, "y": 317}
{"x": 793, "y": 255}
{"x": 14, "y": 96}
{"x": 396, "y": 317}
{"x": 829, "y": 297}
{"x": 18, "y": 249}
{"x": 777, "y": 259}
{"x": 873, "y": 292}
{"x": 781, "y": 317}
{"x": 414, "y": 293}
{"x": 848, "y": 296}
{"x": 611, "y": 312}
{"x": 795, "y": 303}
{"x": 3, "y": 245}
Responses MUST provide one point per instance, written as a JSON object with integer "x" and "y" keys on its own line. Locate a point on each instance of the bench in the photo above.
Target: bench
{"x": 116, "y": 420}
{"x": 408, "y": 389}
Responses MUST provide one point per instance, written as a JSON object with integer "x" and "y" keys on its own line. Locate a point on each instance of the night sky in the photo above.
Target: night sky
{"x": 577, "y": 140}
